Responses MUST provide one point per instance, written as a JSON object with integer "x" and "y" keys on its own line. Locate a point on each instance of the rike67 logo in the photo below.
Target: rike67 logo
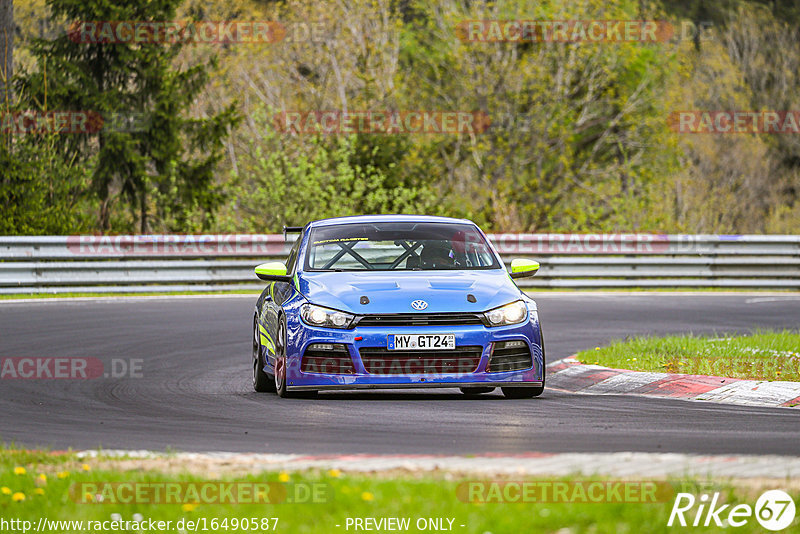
{"x": 774, "y": 510}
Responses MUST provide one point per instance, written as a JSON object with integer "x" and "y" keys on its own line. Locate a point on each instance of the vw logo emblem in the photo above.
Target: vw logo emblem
{"x": 419, "y": 305}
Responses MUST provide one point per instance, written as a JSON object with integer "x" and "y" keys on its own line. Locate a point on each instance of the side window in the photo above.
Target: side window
{"x": 291, "y": 263}
{"x": 281, "y": 290}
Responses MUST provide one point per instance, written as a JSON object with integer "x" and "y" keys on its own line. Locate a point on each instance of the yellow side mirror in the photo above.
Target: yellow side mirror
{"x": 520, "y": 268}
{"x": 273, "y": 271}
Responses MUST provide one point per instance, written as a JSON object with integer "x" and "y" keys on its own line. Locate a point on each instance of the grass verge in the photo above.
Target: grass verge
{"x": 761, "y": 356}
{"x": 35, "y": 485}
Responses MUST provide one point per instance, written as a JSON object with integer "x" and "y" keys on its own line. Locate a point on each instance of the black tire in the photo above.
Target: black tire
{"x": 279, "y": 381}
{"x": 280, "y": 359}
{"x": 529, "y": 393}
{"x": 522, "y": 393}
{"x": 262, "y": 382}
{"x": 474, "y": 391}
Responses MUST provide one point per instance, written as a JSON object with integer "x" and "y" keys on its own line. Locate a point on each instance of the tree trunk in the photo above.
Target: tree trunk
{"x": 6, "y": 51}
{"x": 143, "y": 211}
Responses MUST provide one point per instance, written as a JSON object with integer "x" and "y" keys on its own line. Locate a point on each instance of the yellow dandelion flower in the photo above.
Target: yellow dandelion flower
{"x": 63, "y": 474}
{"x": 19, "y": 470}
{"x": 283, "y": 476}
{"x": 367, "y": 496}
{"x": 88, "y": 497}
{"x": 188, "y": 507}
{"x": 39, "y": 491}
{"x": 42, "y": 478}
{"x": 335, "y": 473}
{"x": 86, "y": 467}
{"x": 18, "y": 497}
{"x": 5, "y": 491}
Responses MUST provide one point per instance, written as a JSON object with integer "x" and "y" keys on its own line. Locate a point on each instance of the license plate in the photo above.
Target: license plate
{"x": 422, "y": 342}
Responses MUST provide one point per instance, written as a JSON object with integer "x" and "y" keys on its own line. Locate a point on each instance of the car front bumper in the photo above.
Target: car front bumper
{"x": 301, "y": 336}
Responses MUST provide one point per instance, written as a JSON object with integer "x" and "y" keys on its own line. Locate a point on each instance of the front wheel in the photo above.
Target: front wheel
{"x": 528, "y": 393}
{"x": 281, "y": 366}
{"x": 262, "y": 382}
{"x": 522, "y": 393}
{"x": 280, "y": 359}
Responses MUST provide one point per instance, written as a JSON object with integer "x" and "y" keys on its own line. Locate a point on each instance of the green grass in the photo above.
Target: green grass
{"x": 426, "y": 496}
{"x": 760, "y": 356}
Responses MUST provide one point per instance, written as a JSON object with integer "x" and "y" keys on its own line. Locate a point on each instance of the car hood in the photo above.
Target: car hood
{"x": 394, "y": 291}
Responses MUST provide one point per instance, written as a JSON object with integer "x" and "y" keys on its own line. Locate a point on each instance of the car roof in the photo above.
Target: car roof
{"x": 387, "y": 218}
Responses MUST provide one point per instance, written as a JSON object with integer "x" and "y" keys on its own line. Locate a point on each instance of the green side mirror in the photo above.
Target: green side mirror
{"x": 521, "y": 268}
{"x": 273, "y": 271}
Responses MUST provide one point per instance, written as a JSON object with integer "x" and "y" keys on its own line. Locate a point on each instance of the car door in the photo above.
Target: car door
{"x": 275, "y": 295}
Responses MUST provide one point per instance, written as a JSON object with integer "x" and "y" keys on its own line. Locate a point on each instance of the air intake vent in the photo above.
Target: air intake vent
{"x": 327, "y": 358}
{"x": 509, "y": 356}
{"x": 381, "y": 361}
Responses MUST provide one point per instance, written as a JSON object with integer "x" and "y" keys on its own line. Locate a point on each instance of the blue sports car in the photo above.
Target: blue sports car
{"x": 396, "y": 301}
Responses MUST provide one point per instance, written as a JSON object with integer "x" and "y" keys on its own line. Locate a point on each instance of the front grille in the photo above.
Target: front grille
{"x": 420, "y": 319}
{"x": 382, "y": 361}
{"x": 327, "y": 358}
{"x": 509, "y": 356}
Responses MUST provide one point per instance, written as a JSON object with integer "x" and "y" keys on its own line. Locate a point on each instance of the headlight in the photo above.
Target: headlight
{"x": 319, "y": 316}
{"x": 509, "y": 314}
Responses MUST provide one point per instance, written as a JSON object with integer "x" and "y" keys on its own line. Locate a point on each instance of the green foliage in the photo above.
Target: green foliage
{"x": 42, "y": 189}
{"x": 579, "y": 139}
{"x": 328, "y": 176}
{"x": 163, "y": 171}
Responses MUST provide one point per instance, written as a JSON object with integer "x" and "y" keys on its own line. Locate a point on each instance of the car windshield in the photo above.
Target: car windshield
{"x": 398, "y": 246}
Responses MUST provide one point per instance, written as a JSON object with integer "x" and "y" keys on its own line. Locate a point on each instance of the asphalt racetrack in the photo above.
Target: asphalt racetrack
{"x": 194, "y": 392}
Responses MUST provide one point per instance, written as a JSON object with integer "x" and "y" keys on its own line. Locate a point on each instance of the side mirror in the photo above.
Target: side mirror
{"x": 521, "y": 268}
{"x": 273, "y": 271}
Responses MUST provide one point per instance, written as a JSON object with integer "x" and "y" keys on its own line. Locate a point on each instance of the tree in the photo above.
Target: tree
{"x": 163, "y": 170}
{"x": 43, "y": 188}
{"x": 6, "y": 50}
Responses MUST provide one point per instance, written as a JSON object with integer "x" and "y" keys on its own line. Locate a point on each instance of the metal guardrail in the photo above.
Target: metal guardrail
{"x": 58, "y": 264}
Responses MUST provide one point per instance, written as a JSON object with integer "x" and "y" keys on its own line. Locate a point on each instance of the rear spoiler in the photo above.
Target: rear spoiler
{"x": 292, "y": 230}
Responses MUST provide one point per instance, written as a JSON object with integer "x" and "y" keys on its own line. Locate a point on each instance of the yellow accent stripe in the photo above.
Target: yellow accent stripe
{"x": 266, "y": 339}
